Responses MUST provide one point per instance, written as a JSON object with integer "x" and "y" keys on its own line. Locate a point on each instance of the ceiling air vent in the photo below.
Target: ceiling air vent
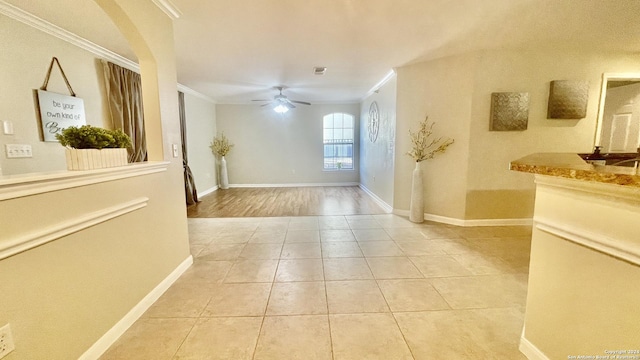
{"x": 319, "y": 70}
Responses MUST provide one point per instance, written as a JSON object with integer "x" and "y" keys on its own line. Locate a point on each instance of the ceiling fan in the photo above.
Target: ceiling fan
{"x": 281, "y": 103}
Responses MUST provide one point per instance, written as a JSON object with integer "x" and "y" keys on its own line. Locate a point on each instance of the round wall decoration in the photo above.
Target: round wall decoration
{"x": 374, "y": 122}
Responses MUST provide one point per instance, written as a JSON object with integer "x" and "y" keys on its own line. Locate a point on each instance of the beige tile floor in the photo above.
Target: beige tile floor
{"x": 339, "y": 287}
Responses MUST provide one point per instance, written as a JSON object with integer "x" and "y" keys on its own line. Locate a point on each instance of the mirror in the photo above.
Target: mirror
{"x": 618, "y": 128}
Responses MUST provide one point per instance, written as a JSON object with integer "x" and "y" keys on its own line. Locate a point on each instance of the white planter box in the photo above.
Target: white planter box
{"x": 89, "y": 159}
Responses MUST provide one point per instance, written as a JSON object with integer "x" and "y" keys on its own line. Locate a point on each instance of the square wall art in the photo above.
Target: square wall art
{"x": 509, "y": 111}
{"x": 568, "y": 99}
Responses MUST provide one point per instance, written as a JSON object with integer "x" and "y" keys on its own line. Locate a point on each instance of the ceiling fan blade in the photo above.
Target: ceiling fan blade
{"x": 267, "y": 104}
{"x": 261, "y": 100}
{"x": 300, "y": 102}
{"x": 289, "y": 105}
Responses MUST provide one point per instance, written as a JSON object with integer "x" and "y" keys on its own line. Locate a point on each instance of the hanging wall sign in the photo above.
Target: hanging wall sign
{"x": 58, "y": 111}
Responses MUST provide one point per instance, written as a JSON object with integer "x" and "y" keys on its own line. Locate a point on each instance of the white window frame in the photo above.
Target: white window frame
{"x": 338, "y": 166}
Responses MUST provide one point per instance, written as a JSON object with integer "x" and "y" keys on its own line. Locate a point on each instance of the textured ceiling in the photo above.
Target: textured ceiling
{"x": 235, "y": 51}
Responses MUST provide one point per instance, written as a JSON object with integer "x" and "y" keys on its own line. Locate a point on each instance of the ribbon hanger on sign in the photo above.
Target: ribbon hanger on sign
{"x": 46, "y": 79}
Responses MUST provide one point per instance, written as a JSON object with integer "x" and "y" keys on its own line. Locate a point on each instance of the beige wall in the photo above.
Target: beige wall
{"x": 377, "y": 158}
{"x": 583, "y": 301}
{"x": 471, "y": 180}
{"x": 441, "y": 89}
{"x": 491, "y": 151}
{"x": 24, "y": 59}
{"x": 201, "y": 128}
{"x": 72, "y": 290}
{"x": 280, "y": 149}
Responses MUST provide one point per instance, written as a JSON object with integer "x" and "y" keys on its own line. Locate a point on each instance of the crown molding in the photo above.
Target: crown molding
{"x": 56, "y": 31}
{"x": 380, "y": 83}
{"x": 168, "y": 8}
{"x": 60, "y": 33}
{"x": 190, "y": 91}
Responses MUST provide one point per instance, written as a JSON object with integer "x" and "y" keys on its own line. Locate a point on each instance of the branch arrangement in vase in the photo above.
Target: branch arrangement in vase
{"x": 423, "y": 146}
{"x": 220, "y": 145}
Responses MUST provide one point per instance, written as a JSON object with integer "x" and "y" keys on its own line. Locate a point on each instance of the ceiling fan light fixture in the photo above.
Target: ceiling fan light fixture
{"x": 281, "y": 109}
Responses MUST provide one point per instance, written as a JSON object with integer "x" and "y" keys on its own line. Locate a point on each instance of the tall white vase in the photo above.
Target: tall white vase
{"x": 224, "y": 177}
{"x": 416, "y": 208}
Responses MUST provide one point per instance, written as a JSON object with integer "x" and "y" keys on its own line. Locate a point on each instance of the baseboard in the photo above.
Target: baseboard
{"x": 388, "y": 208}
{"x": 475, "y": 222}
{"x": 208, "y": 191}
{"x": 99, "y": 347}
{"x": 499, "y": 222}
{"x": 531, "y": 351}
{"x": 292, "y": 185}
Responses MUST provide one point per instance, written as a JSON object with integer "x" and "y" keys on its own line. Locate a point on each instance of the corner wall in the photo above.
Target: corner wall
{"x": 377, "y": 158}
{"x": 471, "y": 181}
{"x": 441, "y": 89}
{"x": 24, "y": 60}
{"x": 201, "y": 128}
{"x": 494, "y": 192}
{"x": 75, "y": 288}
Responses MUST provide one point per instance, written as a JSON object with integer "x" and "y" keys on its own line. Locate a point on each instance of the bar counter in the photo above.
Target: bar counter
{"x": 583, "y": 294}
{"x": 571, "y": 166}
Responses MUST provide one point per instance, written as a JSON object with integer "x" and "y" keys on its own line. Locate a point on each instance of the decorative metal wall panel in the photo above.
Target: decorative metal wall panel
{"x": 373, "y": 126}
{"x": 509, "y": 111}
{"x": 568, "y": 99}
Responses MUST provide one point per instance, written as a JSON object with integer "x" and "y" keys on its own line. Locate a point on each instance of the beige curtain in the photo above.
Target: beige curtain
{"x": 124, "y": 93}
{"x": 189, "y": 182}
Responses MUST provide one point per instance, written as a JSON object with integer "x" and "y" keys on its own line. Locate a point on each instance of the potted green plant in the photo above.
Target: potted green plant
{"x": 89, "y": 147}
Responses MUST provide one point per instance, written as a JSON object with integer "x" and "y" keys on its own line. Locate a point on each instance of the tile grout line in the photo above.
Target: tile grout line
{"x": 387, "y": 301}
{"x": 175, "y": 353}
{"x": 395, "y": 320}
{"x": 197, "y": 318}
{"x": 326, "y": 296}
{"x": 266, "y": 307}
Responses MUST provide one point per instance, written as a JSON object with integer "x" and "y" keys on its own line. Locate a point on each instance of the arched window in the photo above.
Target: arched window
{"x": 337, "y": 139}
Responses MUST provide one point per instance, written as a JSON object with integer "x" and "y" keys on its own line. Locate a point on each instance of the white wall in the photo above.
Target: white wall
{"x": 201, "y": 128}
{"x": 271, "y": 148}
{"x": 377, "y": 158}
{"x": 24, "y": 60}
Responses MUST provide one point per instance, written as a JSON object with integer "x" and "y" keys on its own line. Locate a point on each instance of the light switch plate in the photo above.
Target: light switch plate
{"x": 6, "y": 341}
{"x": 18, "y": 151}
{"x": 175, "y": 150}
{"x": 7, "y": 127}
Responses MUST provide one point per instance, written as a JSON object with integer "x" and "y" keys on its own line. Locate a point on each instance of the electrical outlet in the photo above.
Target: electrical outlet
{"x": 18, "y": 151}
{"x": 6, "y": 341}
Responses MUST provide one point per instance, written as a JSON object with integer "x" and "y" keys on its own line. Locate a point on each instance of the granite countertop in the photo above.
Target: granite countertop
{"x": 571, "y": 166}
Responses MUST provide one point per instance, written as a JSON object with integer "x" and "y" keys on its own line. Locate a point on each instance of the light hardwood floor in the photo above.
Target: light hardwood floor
{"x": 293, "y": 201}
